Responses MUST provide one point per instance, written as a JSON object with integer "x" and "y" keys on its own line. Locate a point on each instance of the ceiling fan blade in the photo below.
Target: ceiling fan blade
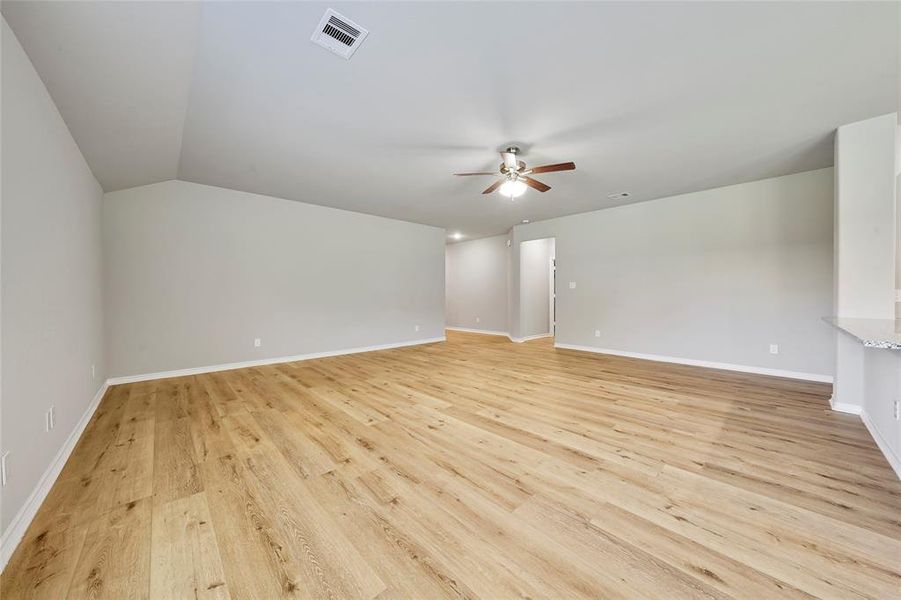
{"x": 534, "y": 183}
{"x": 493, "y": 186}
{"x": 479, "y": 173}
{"x": 509, "y": 160}
{"x": 567, "y": 166}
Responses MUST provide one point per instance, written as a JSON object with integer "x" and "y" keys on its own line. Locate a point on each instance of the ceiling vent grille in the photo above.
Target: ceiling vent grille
{"x": 338, "y": 34}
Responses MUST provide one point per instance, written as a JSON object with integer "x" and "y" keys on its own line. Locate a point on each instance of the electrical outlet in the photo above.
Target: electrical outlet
{"x": 257, "y": 342}
{"x": 774, "y": 348}
{"x": 3, "y": 474}
{"x": 416, "y": 328}
{"x": 478, "y": 320}
{"x": 898, "y": 410}
{"x": 93, "y": 372}
{"x": 597, "y": 333}
{"x": 572, "y": 285}
{"x": 50, "y": 419}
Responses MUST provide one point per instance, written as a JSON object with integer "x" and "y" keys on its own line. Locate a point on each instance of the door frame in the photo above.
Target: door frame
{"x": 552, "y": 296}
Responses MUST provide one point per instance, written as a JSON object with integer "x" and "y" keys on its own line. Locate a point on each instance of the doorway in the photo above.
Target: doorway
{"x": 537, "y": 262}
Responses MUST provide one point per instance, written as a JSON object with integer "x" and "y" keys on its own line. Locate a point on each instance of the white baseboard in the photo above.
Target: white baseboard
{"x": 482, "y": 331}
{"x": 703, "y": 363}
{"x": 843, "y": 407}
{"x": 890, "y": 456}
{"x": 19, "y": 524}
{"x": 265, "y": 361}
{"x": 530, "y": 337}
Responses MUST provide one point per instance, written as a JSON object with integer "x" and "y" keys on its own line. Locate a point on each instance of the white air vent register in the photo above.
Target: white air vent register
{"x": 339, "y": 34}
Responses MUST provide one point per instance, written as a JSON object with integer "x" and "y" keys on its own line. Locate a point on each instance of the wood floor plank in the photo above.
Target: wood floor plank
{"x": 43, "y": 564}
{"x": 185, "y": 560}
{"x": 475, "y": 468}
{"x": 331, "y": 566}
{"x": 175, "y": 473}
{"x": 727, "y": 575}
{"x": 399, "y": 559}
{"x": 646, "y": 575}
{"x": 255, "y": 557}
{"x": 115, "y": 557}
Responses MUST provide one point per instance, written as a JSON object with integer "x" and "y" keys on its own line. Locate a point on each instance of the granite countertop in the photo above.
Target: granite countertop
{"x": 872, "y": 333}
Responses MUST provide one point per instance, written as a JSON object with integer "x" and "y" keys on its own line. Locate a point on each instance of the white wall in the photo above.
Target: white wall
{"x": 477, "y": 284}
{"x": 714, "y": 276}
{"x": 865, "y": 243}
{"x": 868, "y": 380}
{"x": 898, "y": 221}
{"x": 534, "y": 286}
{"x": 51, "y": 289}
{"x": 881, "y": 389}
{"x": 194, "y": 273}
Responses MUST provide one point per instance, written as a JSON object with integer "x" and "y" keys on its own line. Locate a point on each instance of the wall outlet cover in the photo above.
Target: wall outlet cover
{"x": 257, "y": 342}
{"x": 572, "y": 285}
{"x": 774, "y": 348}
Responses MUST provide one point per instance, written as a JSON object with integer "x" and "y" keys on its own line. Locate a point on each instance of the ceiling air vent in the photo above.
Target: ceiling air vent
{"x": 339, "y": 34}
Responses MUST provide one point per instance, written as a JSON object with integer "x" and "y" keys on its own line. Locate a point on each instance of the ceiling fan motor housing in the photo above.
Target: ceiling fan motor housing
{"x": 521, "y": 166}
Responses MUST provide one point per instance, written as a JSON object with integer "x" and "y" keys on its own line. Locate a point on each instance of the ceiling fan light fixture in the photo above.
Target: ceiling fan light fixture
{"x": 512, "y": 188}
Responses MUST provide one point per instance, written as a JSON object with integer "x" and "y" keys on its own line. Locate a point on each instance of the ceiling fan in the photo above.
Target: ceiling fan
{"x": 513, "y": 176}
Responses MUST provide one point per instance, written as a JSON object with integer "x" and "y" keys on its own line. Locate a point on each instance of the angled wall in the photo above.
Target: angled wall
{"x": 195, "y": 273}
{"x": 50, "y": 260}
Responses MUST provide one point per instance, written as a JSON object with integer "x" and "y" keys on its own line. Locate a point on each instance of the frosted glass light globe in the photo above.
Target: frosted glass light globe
{"x": 512, "y": 189}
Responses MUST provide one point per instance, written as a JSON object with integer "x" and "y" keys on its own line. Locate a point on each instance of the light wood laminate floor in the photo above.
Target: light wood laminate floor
{"x": 475, "y": 468}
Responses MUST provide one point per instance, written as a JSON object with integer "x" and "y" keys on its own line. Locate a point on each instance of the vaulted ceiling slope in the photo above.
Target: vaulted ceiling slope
{"x": 653, "y": 99}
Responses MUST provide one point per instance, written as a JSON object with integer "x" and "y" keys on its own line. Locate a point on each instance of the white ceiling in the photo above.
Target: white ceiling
{"x": 653, "y": 99}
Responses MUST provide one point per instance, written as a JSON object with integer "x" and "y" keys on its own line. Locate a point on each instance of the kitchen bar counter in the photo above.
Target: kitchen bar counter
{"x": 872, "y": 333}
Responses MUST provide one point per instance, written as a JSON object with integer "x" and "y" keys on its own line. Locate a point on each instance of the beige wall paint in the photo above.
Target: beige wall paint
{"x": 195, "y": 273}
{"x": 50, "y": 243}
